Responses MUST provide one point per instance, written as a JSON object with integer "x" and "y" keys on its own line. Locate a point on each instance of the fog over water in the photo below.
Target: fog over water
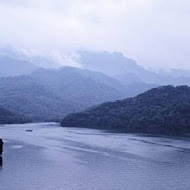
{"x": 58, "y": 158}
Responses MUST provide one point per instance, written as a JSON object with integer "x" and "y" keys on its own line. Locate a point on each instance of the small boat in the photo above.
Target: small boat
{"x": 29, "y": 130}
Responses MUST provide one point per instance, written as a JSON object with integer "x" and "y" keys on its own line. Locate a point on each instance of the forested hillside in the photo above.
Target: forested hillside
{"x": 160, "y": 110}
{"x": 82, "y": 86}
{"x": 86, "y": 87}
{"x": 49, "y": 94}
{"x": 24, "y": 95}
{"x": 7, "y": 117}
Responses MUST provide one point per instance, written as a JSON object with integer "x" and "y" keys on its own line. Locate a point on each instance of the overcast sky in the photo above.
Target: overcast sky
{"x": 156, "y": 33}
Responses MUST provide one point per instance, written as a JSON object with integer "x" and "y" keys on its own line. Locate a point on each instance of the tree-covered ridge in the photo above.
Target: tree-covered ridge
{"x": 26, "y": 96}
{"x": 50, "y": 94}
{"x": 77, "y": 85}
{"x": 159, "y": 110}
{"x": 7, "y": 117}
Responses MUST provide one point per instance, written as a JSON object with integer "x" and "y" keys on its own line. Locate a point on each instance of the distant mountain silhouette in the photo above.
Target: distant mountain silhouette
{"x": 127, "y": 71}
{"x": 117, "y": 65}
{"x": 30, "y": 57}
{"x": 15, "y": 67}
{"x": 164, "y": 110}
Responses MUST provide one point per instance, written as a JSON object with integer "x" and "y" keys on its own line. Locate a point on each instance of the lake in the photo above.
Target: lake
{"x": 56, "y": 158}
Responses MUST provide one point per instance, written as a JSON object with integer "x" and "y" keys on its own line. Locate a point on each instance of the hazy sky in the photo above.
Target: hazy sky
{"x": 156, "y": 33}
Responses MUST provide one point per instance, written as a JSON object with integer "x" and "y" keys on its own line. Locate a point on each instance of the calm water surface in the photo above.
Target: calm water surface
{"x": 55, "y": 158}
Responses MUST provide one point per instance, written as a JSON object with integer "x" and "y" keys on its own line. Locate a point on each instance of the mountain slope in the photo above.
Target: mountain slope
{"x": 15, "y": 67}
{"x": 109, "y": 63}
{"x": 24, "y": 95}
{"x": 117, "y": 65}
{"x": 86, "y": 87}
{"x": 79, "y": 85}
{"x": 160, "y": 110}
{"x": 49, "y": 94}
{"x": 7, "y": 117}
{"x": 127, "y": 71}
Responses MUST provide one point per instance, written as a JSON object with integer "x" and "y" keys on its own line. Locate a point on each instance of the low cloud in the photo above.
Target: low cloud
{"x": 156, "y": 33}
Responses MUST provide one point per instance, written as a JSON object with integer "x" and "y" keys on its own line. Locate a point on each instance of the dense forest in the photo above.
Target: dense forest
{"x": 163, "y": 110}
{"x": 7, "y": 117}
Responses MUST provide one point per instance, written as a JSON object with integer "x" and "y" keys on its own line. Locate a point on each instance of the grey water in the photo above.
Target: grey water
{"x": 56, "y": 158}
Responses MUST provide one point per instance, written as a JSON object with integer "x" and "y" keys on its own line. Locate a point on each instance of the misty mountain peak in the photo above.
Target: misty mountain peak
{"x": 108, "y": 63}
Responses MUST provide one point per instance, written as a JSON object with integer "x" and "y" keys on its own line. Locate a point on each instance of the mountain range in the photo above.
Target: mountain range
{"x": 115, "y": 65}
{"x": 48, "y": 94}
{"x": 127, "y": 71}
